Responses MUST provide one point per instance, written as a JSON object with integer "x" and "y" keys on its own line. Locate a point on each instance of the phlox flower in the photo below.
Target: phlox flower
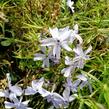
{"x": 16, "y": 103}
{"x": 11, "y": 90}
{"x": 73, "y": 86}
{"x": 56, "y": 99}
{"x": 36, "y": 86}
{"x": 66, "y": 94}
{"x": 81, "y": 56}
{"x": 59, "y": 40}
{"x": 78, "y": 61}
{"x": 46, "y": 58}
{"x": 84, "y": 82}
{"x": 71, "y": 67}
{"x": 80, "y": 82}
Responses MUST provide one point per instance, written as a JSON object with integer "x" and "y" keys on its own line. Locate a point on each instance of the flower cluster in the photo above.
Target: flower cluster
{"x": 50, "y": 54}
{"x": 15, "y": 94}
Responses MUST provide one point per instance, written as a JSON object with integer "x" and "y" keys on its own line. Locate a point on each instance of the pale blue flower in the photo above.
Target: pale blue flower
{"x": 16, "y": 90}
{"x": 59, "y": 40}
{"x": 56, "y": 99}
{"x": 4, "y": 93}
{"x": 36, "y": 86}
{"x": 67, "y": 71}
{"x": 16, "y": 103}
{"x": 77, "y": 62}
{"x": 81, "y": 56}
{"x": 80, "y": 82}
{"x": 73, "y": 86}
{"x": 66, "y": 94}
{"x": 46, "y": 58}
{"x": 84, "y": 82}
{"x": 11, "y": 89}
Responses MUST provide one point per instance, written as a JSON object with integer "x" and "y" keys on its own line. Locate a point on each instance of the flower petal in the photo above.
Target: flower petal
{"x": 79, "y": 38}
{"x": 4, "y": 93}
{"x": 67, "y": 71}
{"x": 16, "y": 89}
{"x": 71, "y": 98}
{"x": 43, "y": 92}
{"x": 48, "y": 42}
{"x": 88, "y": 50}
{"x": 9, "y": 105}
{"x": 39, "y": 56}
{"x": 82, "y": 77}
{"x": 64, "y": 35}
{"x": 84, "y": 83}
{"x": 43, "y": 49}
{"x": 75, "y": 85}
{"x": 26, "y": 102}
{"x": 61, "y": 30}
{"x": 66, "y": 47}
{"x": 69, "y": 4}
{"x": 30, "y": 91}
{"x": 76, "y": 28}
{"x": 66, "y": 94}
{"x": 46, "y": 62}
{"x": 54, "y": 32}
{"x": 68, "y": 60}
{"x": 56, "y": 51}
{"x": 78, "y": 50}
{"x": 58, "y": 97}
{"x": 36, "y": 85}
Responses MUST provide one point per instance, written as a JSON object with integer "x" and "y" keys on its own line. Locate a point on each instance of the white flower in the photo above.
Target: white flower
{"x": 67, "y": 71}
{"x": 36, "y": 86}
{"x": 66, "y": 94}
{"x": 46, "y": 58}
{"x": 81, "y": 56}
{"x": 16, "y": 90}
{"x": 18, "y": 104}
{"x": 78, "y": 61}
{"x": 56, "y": 99}
{"x": 73, "y": 86}
{"x": 4, "y": 93}
{"x": 11, "y": 90}
{"x": 70, "y": 5}
{"x": 84, "y": 82}
{"x": 59, "y": 40}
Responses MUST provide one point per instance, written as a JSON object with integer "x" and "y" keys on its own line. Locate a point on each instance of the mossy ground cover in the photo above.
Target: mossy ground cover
{"x": 23, "y": 22}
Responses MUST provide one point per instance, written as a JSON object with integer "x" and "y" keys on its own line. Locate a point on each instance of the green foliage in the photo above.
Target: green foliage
{"x": 22, "y": 21}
